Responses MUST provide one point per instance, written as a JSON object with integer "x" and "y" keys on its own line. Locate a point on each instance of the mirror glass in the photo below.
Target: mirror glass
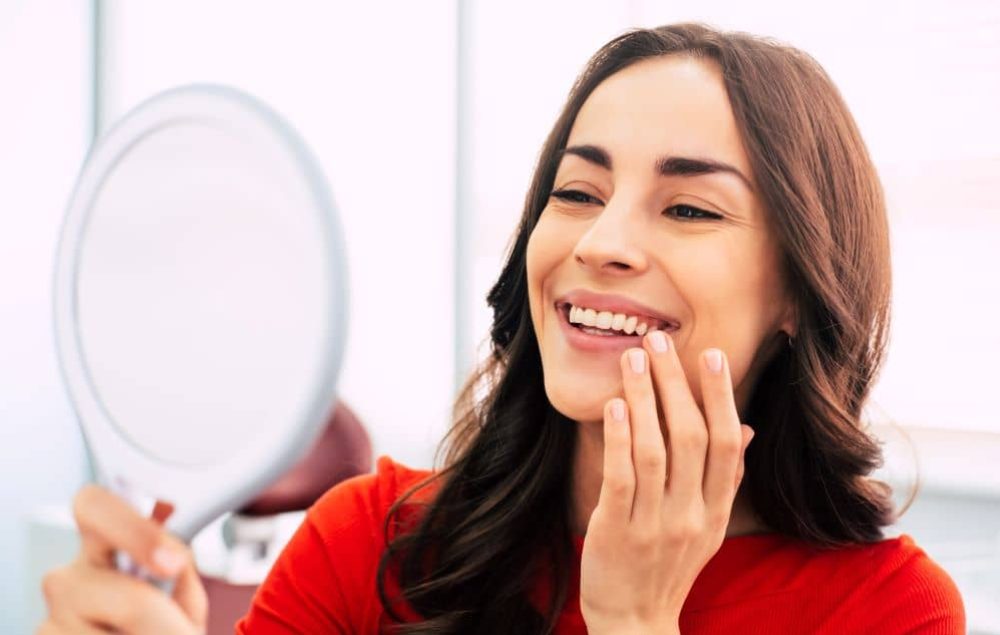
{"x": 201, "y": 300}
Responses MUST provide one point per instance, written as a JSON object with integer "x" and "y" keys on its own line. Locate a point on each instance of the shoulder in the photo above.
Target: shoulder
{"x": 377, "y": 490}
{"x": 918, "y": 579}
{"x": 324, "y": 580}
{"x": 901, "y": 589}
{"x": 364, "y": 499}
{"x": 890, "y": 586}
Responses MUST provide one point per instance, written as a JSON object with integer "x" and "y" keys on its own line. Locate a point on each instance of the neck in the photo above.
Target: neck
{"x": 588, "y": 473}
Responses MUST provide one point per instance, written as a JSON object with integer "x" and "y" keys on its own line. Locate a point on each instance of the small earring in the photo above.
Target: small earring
{"x": 791, "y": 342}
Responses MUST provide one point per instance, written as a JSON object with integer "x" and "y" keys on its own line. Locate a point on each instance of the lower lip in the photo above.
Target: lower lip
{"x": 584, "y": 341}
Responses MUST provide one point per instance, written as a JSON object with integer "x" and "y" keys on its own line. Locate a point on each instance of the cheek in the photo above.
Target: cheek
{"x": 534, "y": 268}
{"x": 547, "y": 247}
{"x": 734, "y": 296}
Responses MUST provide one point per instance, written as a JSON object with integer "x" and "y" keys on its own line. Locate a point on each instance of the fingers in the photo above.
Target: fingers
{"x": 648, "y": 453}
{"x": 50, "y": 627}
{"x": 618, "y": 486}
{"x": 694, "y": 462}
{"x": 190, "y": 595}
{"x": 107, "y": 523}
{"x": 81, "y": 596}
{"x": 725, "y": 445}
{"x": 686, "y": 431}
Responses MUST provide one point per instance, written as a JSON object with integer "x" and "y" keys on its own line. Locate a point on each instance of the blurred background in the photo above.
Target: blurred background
{"x": 427, "y": 118}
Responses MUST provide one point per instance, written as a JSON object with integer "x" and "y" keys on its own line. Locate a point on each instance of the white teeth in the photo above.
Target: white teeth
{"x": 608, "y": 321}
{"x": 630, "y": 324}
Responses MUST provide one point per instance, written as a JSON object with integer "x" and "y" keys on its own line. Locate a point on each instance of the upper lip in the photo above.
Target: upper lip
{"x": 616, "y": 304}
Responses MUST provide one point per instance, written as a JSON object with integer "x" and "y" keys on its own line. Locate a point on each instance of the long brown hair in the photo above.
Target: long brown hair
{"x": 501, "y": 515}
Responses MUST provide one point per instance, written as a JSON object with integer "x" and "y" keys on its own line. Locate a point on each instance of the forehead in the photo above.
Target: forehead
{"x": 668, "y": 105}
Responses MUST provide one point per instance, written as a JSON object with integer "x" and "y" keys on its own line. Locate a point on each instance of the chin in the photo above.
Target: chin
{"x": 582, "y": 398}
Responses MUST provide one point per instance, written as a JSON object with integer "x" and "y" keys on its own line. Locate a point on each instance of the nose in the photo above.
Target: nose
{"x": 612, "y": 243}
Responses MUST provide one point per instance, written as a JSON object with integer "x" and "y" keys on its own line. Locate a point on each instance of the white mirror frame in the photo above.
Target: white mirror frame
{"x": 119, "y": 464}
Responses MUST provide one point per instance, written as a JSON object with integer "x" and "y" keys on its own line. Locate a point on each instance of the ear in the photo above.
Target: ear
{"x": 789, "y": 322}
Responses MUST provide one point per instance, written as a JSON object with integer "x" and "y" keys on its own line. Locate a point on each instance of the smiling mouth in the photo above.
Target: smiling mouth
{"x": 593, "y": 340}
{"x": 619, "y": 330}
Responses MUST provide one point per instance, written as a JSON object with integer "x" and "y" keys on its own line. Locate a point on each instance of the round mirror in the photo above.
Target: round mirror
{"x": 200, "y": 302}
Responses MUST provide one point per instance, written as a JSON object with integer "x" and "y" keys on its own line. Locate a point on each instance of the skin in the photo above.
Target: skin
{"x": 631, "y": 231}
{"x": 89, "y": 594}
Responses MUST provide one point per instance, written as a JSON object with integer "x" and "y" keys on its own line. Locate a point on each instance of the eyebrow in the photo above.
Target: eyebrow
{"x": 664, "y": 166}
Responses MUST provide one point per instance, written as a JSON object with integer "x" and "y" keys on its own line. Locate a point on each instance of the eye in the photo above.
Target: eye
{"x": 688, "y": 212}
{"x": 683, "y": 212}
{"x": 576, "y": 196}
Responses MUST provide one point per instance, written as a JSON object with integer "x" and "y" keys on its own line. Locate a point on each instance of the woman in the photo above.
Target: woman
{"x": 704, "y": 243}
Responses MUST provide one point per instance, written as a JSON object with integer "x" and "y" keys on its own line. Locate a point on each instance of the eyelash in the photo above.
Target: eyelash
{"x": 567, "y": 195}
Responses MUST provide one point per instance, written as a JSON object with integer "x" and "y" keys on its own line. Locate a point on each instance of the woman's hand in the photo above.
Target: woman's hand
{"x": 664, "y": 507}
{"x": 90, "y": 596}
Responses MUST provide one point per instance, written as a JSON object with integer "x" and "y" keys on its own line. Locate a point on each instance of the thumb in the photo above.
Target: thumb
{"x": 190, "y": 595}
{"x": 188, "y": 592}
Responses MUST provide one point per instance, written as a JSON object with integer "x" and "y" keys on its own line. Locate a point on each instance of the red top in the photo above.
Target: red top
{"x": 324, "y": 580}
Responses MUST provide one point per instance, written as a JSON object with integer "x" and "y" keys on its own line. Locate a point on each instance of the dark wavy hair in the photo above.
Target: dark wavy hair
{"x": 500, "y": 513}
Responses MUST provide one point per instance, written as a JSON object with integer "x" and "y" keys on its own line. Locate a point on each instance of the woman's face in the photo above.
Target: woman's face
{"x": 640, "y": 224}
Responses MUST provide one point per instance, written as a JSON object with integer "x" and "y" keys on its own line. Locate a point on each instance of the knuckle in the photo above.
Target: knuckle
{"x": 692, "y": 438}
{"x": 84, "y": 500}
{"x": 645, "y": 539}
{"x": 685, "y": 527}
{"x": 53, "y": 584}
{"x": 729, "y": 445}
{"x": 692, "y": 529}
{"x": 46, "y": 628}
{"x": 619, "y": 485}
{"x": 728, "y": 454}
{"x": 651, "y": 460}
{"x": 718, "y": 519}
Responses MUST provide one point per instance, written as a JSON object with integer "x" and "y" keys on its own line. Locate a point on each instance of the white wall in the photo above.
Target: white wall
{"x": 44, "y": 133}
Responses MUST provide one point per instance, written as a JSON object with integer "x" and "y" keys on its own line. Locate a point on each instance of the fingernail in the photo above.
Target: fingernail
{"x": 713, "y": 358}
{"x": 618, "y": 410}
{"x": 659, "y": 341}
{"x": 636, "y": 360}
{"x": 168, "y": 560}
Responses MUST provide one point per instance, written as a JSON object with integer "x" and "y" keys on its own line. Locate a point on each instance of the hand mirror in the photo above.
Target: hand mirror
{"x": 200, "y": 302}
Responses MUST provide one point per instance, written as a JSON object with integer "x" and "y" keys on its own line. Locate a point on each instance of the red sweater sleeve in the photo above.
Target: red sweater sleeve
{"x": 324, "y": 579}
